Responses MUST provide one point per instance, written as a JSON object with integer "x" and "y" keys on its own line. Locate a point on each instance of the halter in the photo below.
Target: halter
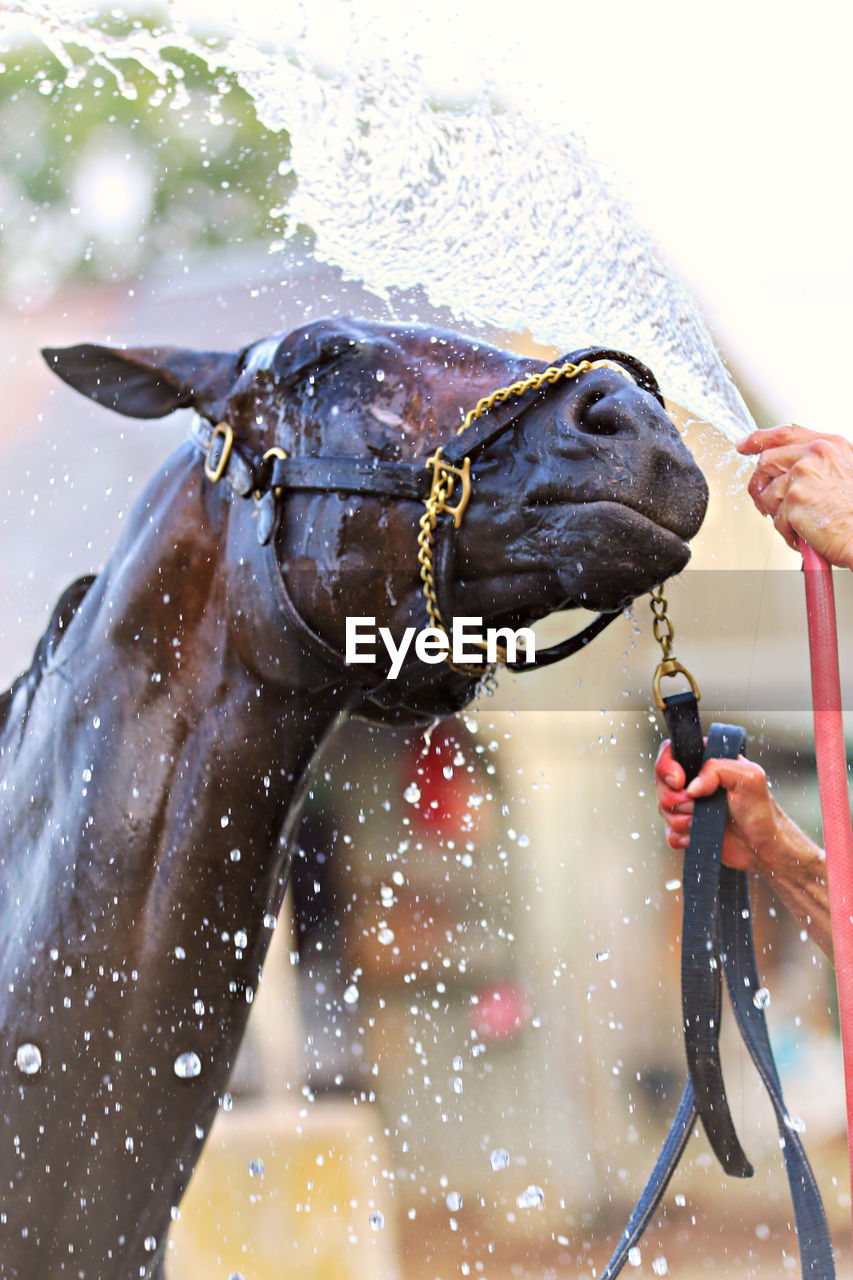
{"x": 444, "y": 478}
{"x": 268, "y": 477}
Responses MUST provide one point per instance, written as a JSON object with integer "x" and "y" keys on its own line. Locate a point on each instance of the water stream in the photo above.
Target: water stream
{"x": 495, "y": 217}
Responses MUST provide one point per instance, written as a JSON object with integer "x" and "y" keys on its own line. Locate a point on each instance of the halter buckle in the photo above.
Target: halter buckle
{"x": 218, "y": 451}
{"x": 281, "y": 454}
{"x": 444, "y": 477}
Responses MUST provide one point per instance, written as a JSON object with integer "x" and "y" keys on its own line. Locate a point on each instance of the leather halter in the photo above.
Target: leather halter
{"x": 267, "y": 478}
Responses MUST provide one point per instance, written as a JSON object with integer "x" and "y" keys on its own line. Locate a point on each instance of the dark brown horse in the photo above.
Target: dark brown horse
{"x": 154, "y": 756}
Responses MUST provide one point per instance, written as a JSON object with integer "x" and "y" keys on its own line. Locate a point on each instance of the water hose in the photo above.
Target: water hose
{"x": 831, "y": 756}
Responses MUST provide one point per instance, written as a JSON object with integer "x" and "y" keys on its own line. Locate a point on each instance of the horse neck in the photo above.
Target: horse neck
{"x": 188, "y": 717}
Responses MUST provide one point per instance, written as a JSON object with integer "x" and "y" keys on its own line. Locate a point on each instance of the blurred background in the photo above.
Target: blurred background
{"x": 467, "y": 1046}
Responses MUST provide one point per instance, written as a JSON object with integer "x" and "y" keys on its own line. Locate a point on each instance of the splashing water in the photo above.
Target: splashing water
{"x": 494, "y": 217}
{"x": 28, "y": 1059}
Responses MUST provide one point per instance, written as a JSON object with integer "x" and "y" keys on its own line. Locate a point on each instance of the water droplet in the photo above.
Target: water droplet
{"x": 180, "y": 954}
{"x": 795, "y": 1124}
{"x": 269, "y": 921}
{"x": 234, "y": 855}
{"x": 660, "y": 1266}
{"x": 241, "y": 939}
{"x": 762, "y": 1231}
{"x": 453, "y": 1200}
{"x": 28, "y": 1059}
{"x": 227, "y": 1102}
{"x": 256, "y": 1168}
{"x": 499, "y": 1159}
{"x": 187, "y": 1066}
{"x": 635, "y": 1257}
{"x": 412, "y": 794}
{"x": 128, "y": 1144}
{"x": 761, "y": 999}
{"x": 523, "y": 841}
{"x": 603, "y": 955}
{"x": 530, "y": 1198}
{"x": 671, "y": 886}
{"x": 351, "y": 994}
{"x": 198, "y": 1007}
{"x": 385, "y": 937}
{"x": 457, "y": 1063}
{"x": 150, "y": 1244}
{"x": 457, "y": 1084}
{"x": 377, "y": 1221}
{"x": 448, "y": 771}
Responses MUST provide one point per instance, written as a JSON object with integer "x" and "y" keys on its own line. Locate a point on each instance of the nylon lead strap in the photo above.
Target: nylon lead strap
{"x": 701, "y": 976}
{"x": 732, "y": 951}
{"x": 742, "y": 980}
{"x": 701, "y": 971}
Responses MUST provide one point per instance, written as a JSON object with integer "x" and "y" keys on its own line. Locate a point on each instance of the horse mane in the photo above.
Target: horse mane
{"x": 66, "y": 607}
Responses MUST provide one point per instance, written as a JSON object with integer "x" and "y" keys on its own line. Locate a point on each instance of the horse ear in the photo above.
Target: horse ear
{"x": 147, "y": 382}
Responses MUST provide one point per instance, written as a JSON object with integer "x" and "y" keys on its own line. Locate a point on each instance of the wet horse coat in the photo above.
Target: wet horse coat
{"x": 177, "y": 702}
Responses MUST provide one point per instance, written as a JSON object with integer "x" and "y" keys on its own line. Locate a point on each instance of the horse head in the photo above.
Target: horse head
{"x": 581, "y": 490}
{"x": 192, "y": 682}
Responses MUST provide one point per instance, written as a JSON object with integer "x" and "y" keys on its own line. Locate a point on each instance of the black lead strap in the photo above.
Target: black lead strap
{"x": 717, "y": 938}
{"x": 701, "y": 970}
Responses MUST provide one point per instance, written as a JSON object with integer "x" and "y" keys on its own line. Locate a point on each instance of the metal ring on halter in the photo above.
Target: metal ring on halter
{"x": 218, "y": 451}
{"x": 671, "y": 667}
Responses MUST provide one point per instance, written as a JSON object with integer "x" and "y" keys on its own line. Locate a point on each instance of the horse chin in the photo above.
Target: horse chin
{"x": 441, "y": 697}
{"x": 619, "y": 555}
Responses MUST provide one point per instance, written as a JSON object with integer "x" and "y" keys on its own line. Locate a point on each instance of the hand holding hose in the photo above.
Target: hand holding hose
{"x": 804, "y": 482}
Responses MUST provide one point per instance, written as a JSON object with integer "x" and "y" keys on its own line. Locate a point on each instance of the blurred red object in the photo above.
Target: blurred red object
{"x": 501, "y": 1012}
{"x": 444, "y": 785}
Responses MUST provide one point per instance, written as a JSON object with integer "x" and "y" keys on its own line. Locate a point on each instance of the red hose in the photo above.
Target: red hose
{"x": 831, "y": 755}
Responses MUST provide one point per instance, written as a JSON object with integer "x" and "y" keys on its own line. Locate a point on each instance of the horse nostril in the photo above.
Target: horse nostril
{"x": 602, "y": 415}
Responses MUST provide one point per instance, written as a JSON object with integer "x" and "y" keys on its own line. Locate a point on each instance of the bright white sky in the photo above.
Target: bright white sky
{"x": 726, "y": 124}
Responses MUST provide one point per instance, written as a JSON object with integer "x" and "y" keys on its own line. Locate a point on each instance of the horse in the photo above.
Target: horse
{"x": 154, "y": 757}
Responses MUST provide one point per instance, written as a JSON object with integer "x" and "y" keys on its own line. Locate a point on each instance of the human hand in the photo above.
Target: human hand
{"x": 759, "y": 836}
{"x": 804, "y": 482}
{"x": 752, "y": 824}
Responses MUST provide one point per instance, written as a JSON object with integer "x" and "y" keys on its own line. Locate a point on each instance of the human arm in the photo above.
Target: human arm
{"x": 759, "y": 835}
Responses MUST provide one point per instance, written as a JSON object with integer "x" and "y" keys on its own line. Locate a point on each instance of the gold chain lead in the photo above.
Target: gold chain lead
{"x": 663, "y": 628}
{"x": 665, "y": 636}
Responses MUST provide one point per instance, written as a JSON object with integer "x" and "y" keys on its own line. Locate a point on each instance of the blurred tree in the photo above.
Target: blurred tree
{"x": 99, "y": 178}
